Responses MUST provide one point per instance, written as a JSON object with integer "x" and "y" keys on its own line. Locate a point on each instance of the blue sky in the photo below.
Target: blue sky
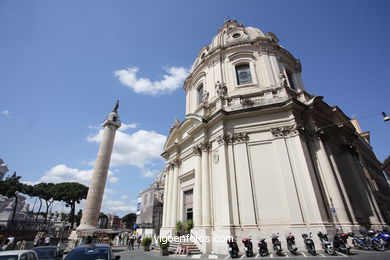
{"x": 63, "y": 65}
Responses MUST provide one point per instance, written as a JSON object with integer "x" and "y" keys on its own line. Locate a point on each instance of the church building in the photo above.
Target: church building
{"x": 256, "y": 154}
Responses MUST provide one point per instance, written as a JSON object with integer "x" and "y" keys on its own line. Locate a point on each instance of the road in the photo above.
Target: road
{"x": 356, "y": 254}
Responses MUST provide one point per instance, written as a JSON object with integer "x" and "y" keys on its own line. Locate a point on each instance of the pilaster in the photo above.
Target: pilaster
{"x": 206, "y": 207}
{"x": 198, "y": 187}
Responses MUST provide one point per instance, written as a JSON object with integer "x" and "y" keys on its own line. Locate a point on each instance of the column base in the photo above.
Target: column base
{"x": 167, "y": 232}
{"x": 85, "y": 228}
{"x": 201, "y": 236}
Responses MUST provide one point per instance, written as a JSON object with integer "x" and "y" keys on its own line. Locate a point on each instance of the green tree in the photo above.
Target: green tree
{"x": 45, "y": 191}
{"x": 10, "y": 187}
{"x": 71, "y": 193}
{"x": 129, "y": 220}
{"x": 33, "y": 191}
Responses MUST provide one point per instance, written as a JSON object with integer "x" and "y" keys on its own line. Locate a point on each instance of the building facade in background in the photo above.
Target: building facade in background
{"x": 150, "y": 208}
{"x": 3, "y": 169}
{"x": 257, "y": 154}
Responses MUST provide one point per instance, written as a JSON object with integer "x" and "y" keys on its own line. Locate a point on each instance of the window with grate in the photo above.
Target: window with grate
{"x": 243, "y": 74}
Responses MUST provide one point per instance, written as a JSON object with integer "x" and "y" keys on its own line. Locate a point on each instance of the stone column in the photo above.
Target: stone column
{"x": 164, "y": 220}
{"x": 340, "y": 180}
{"x": 91, "y": 210}
{"x": 174, "y": 205}
{"x": 330, "y": 183}
{"x": 198, "y": 188}
{"x": 206, "y": 208}
{"x": 169, "y": 197}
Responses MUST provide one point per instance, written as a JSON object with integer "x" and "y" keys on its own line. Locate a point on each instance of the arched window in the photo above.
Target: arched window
{"x": 243, "y": 73}
{"x": 199, "y": 94}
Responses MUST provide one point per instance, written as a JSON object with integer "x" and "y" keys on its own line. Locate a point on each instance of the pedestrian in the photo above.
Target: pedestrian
{"x": 47, "y": 240}
{"x": 139, "y": 240}
{"x": 131, "y": 243}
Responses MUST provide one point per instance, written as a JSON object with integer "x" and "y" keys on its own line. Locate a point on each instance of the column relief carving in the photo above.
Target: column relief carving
{"x": 285, "y": 131}
{"x": 197, "y": 150}
{"x": 266, "y": 51}
{"x": 205, "y": 146}
{"x": 230, "y": 138}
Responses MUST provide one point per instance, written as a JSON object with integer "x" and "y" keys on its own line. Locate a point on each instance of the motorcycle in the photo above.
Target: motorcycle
{"x": 326, "y": 244}
{"x": 374, "y": 241}
{"x": 276, "y": 244}
{"x": 233, "y": 248}
{"x": 263, "y": 250}
{"x": 359, "y": 242}
{"x": 340, "y": 243}
{"x": 291, "y": 244}
{"x": 385, "y": 236}
{"x": 309, "y": 243}
{"x": 248, "y": 247}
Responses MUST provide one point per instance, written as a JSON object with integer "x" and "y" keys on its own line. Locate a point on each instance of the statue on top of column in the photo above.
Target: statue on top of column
{"x": 116, "y": 106}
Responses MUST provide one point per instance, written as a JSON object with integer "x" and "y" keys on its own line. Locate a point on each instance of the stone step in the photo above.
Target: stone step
{"x": 191, "y": 247}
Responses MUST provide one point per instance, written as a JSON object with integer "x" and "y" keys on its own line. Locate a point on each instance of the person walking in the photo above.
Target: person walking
{"x": 131, "y": 243}
{"x": 47, "y": 240}
{"x": 139, "y": 240}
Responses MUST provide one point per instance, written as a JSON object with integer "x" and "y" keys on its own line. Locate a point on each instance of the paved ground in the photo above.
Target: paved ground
{"x": 356, "y": 254}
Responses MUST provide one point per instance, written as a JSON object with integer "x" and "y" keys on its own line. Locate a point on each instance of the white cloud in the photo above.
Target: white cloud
{"x": 138, "y": 149}
{"x": 113, "y": 180}
{"x": 171, "y": 81}
{"x": 124, "y": 126}
{"x": 6, "y": 113}
{"x": 124, "y": 197}
{"x": 149, "y": 173}
{"x": 62, "y": 173}
{"x": 117, "y": 205}
{"x": 109, "y": 191}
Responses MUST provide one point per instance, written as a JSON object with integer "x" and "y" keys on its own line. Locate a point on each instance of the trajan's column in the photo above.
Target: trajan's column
{"x": 89, "y": 220}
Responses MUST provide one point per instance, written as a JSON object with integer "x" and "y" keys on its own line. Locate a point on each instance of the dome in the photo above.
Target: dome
{"x": 232, "y": 32}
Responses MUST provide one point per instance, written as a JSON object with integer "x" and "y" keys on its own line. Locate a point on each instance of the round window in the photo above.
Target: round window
{"x": 236, "y": 35}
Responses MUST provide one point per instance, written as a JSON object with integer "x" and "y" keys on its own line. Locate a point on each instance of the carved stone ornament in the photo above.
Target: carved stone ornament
{"x": 197, "y": 150}
{"x": 265, "y": 51}
{"x": 221, "y": 89}
{"x": 285, "y": 131}
{"x": 282, "y": 80}
{"x": 230, "y": 138}
{"x": 176, "y": 163}
{"x": 205, "y": 146}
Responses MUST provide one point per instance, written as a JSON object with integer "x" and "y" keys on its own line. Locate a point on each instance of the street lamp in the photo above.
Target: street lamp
{"x": 385, "y": 117}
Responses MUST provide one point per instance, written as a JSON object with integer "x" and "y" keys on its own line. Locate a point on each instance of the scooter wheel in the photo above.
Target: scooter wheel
{"x": 330, "y": 251}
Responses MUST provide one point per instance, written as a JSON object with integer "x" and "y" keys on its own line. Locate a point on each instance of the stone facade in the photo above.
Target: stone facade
{"x": 3, "y": 169}
{"x": 257, "y": 154}
{"x": 6, "y": 210}
{"x": 386, "y": 167}
{"x": 149, "y": 218}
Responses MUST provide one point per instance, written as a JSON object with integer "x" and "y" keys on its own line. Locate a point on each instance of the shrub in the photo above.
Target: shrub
{"x": 179, "y": 228}
{"x": 188, "y": 226}
{"x": 163, "y": 243}
{"x": 146, "y": 241}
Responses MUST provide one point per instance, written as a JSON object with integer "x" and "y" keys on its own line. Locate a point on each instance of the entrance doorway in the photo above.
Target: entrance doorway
{"x": 188, "y": 202}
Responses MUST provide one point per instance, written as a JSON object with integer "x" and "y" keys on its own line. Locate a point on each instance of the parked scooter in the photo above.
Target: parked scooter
{"x": 326, "y": 244}
{"x": 359, "y": 242}
{"x": 276, "y": 244}
{"x": 233, "y": 248}
{"x": 309, "y": 243}
{"x": 340, "y": 243}
{"x": 374, "y": 241}
{"x": 291, "y": 244}
{"x": 263, "y": 249}
{"x": 248, "y": 247}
